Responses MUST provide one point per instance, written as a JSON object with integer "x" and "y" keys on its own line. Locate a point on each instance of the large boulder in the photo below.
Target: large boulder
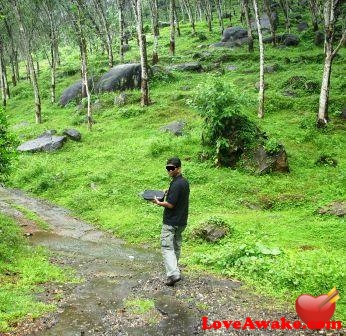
{"x": 121, "y": 77}
{"x": 285, "y": 39}
{"x": 74, "y": 92}
{"x": 175, "y": 127}
{"x": 72, "y": 134}
{"x": 265, "y": 23}
{"x": 271, "y": 162}
{"x": 337, "y": 208}
{"x": 44, "y": 143}
{"x": 233, "y": 33}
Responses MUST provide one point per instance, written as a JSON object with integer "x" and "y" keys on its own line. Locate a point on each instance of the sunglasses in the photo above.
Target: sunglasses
{"x": 171, "y": 168}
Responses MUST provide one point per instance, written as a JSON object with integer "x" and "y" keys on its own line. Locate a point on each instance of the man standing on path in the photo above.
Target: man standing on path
{"x": 174, "y": 219}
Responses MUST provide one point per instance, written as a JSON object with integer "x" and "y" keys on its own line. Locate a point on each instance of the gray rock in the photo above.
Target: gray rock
{"x": 43, "y": 144}
{"x": 192, "y": 66}
{"x": 47, "y": 133}
{"x": 120, "y": 77}
{"x": 319, "y": 38}
{"x": 164, "y": 24}
{"x": 213, "y": 234}
{"x": 222, "y": 45}
{"x": 267, "y": 162}
{"x": 265, "y": 23}
{"x": 271, "y": 68}
{"x": 343, "y": 113}
{"x": 73, "y": 134}
{"x": 257, "y": 85}
{"x": 302, "y": 26}
{"x": 74, "y": 92}
{"x": 285, "y": 39}
{"x": 175, "y": 127}
{"x": 337, "y": 208}
{"x": 234, "y": 33}
{"x": 231, "y": 67}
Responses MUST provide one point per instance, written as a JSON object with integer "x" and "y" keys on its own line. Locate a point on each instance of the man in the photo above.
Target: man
{"x": 176, "y": 207}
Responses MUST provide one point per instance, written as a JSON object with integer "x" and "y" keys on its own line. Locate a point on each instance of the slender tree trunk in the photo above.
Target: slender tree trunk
{"x": 176, "y": 20}
{"x": 314, "y": 14}
{"x": 30, "y": 63}
{"x": 2, "y": 76}
{"x": 260, "y": 41}
{"x": 209, "y": 15}
{"x": 271, "y": 22}
{"x": 248, "y": 24}
{"x": 156, "y": 31}
{"x": 190, "y": 15}
{"x": 13, "y": 58}
{"x": 219, "y": 15}
{"x": 102, "y": 15}
{"x": 172, "y": 29}
{"x": 121, "y": 29}
{"x": 137, "y": 6}
{"x": 84, "y": 60}
{"x": 329, "y": 24}
{"x": 286, "y": 10}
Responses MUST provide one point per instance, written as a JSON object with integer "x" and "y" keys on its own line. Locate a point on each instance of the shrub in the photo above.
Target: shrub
{"x": 7, "y": 147}
{"x": 226, "y": 132}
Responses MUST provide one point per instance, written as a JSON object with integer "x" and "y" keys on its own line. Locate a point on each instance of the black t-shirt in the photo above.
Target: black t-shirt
{"x": 178, "y": 196}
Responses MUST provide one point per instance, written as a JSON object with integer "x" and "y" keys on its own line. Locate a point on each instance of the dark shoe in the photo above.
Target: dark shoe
{"x": 171, "y": 280}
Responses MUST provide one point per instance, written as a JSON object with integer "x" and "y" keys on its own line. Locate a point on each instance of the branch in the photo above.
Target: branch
{"x": 341, "y": 42}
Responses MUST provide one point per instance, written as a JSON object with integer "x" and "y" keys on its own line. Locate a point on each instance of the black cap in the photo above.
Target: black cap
{"x": 174, "y": 161}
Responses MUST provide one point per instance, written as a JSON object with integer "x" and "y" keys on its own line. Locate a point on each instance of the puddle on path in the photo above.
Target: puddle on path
{"x": 109, "y": 268}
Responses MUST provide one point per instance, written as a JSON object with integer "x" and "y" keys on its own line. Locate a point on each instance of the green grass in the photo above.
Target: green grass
{"x": 100, "y": 177}
{"x": 23, "y": 270}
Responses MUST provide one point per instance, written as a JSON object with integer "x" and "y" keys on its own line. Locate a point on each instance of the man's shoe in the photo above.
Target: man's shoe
{"x": 171, "y": 280}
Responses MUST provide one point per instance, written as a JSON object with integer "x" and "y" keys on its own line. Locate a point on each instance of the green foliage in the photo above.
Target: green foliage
{"x": 272, "y": 146}
{"x": 7, "y": 147}
{"x": 22, "y": 269}
{"x": 225, "y": 127}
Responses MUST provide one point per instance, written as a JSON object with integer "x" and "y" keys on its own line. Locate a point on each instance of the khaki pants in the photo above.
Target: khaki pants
{"x": 171, "y": 239}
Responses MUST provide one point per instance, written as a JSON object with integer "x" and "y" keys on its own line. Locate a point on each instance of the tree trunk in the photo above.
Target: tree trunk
{"x": 137, "y": 6}
{"x": 30, "y": 63}
{"x": 190, "y": 15}
{"x": 286, "y": 10}
{"x": 176, "y": 20}
{"x": 330, "y": 18}
{"x": 102, "y": 15}
{"x": 121, "y": 29}
{"x": 260, "y": 41}
{"x": 314, "y": 14}
{"x": 172, "y": 29}
{"x": 248, "y": 24}
{"x": 219, "y": 15}
{"x": 209, "y": 15}
{"x": 271, "y": 22}
{"x": 2, "y": 76}
{"x": 84, "y": 60}
{"x": 156, "y": 31}
{"x": 13, "y": 58}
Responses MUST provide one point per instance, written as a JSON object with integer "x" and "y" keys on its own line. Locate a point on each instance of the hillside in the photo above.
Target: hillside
{"x": 278, "y": 244}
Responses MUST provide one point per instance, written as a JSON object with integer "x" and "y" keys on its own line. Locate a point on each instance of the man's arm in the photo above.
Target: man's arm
{"x": 163, "y": 204}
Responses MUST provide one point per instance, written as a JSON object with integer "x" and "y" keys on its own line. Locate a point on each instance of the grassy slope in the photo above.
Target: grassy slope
{"x": 22, "y": 270}
{"x": 100, "y": 178}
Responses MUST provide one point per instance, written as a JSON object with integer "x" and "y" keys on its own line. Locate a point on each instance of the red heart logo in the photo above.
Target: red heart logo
{"x": 307, "y": 308}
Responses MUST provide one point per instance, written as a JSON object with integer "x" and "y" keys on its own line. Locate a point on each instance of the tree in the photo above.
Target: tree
{"x": 121, "y": 7}
{"x": 271, "y": 21}
{"x": 332, "y": 9}
{"x": 189, "y": 11}
{"x": 78, "y": 21}
{"x": 260, "y": 42}
{"x": 219, "y": 14}
{"x": 248, "y": 24}
{"x": 137, "y": 8}
{"x": 172, "y": 27}
{"x": 313, "y": 6}
{"x": 155, "y": 28}
{"x": 26, "y": 45}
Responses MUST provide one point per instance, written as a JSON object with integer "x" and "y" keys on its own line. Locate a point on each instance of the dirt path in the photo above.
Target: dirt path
{"x": 114, "y": 273}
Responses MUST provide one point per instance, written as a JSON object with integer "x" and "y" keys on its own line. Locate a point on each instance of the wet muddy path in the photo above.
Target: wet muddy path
{"x": 113, "y": 272}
